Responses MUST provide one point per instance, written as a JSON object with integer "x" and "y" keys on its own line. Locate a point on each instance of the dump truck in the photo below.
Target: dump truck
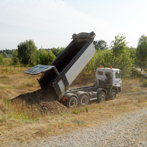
{"x": 66, "y": 67}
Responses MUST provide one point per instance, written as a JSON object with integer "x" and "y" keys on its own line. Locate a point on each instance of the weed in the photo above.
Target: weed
{"x": 75, "y": 111}
{"x": 7, "y": 101}
{"x": 86, "y": 109}
{"x": 30, "y": 84}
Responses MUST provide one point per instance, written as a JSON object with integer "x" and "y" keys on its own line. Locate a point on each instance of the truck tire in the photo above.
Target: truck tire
{"x": 72, "y": 102}
{"x": 83, "y": 100}
{"x": 101, "y": 96}
{"x": 113, "y": 94}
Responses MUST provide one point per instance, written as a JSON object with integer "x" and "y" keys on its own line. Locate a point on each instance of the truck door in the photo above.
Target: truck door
{"x": 116, "y": 78}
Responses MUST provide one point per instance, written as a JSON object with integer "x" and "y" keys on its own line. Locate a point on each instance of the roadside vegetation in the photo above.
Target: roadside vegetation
{"x": 117, "y": 55}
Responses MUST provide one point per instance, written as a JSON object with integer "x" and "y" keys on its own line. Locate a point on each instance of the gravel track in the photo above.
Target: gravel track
{"x": 129, "y": 129}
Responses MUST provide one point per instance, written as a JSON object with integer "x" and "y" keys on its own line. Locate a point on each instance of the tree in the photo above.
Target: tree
{"x": 1, "y": 58}
{"x": 122, "y": 58}
{"x": 51, "y": 57}
{"x": 15, "y": 58}
{"x": 27, "y": 52}
{"x": 141, "y": 52}
{"x": 119, "y": 44}
{"x": 46, "y": 57}
{"x": 5, "y": 55}
{"x": 132, "y": 52}
{"x": 100, "y": 45}
{"x": 124, "y": 62}
{"x": 57, "y": 51}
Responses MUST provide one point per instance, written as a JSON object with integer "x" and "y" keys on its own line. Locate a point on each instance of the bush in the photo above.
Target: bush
{"x": 1, "y": 58}
{"x": 27, "y": 52}
{"x": 15, "y": 58}
{"x": 45, "y": 57}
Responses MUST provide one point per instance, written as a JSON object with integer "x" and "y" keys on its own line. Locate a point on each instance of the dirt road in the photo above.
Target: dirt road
{"x": 130, "y": 129}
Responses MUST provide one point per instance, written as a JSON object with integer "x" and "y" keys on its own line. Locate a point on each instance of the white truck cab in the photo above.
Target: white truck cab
{"x": 114, "y": 74}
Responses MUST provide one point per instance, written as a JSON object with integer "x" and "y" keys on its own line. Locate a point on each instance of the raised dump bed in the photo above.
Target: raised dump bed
{"x": 67, "y": 66}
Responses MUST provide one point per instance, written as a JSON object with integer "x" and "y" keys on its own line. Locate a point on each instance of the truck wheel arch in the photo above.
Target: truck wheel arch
{"x": 101, "y": 89}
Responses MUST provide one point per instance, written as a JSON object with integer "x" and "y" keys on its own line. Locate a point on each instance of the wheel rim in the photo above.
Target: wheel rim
{"x": 72, "y": 103}
{"x": 102, "y": 96}
{"x": 113, "y": 94}
{"x": 84, "y": 100}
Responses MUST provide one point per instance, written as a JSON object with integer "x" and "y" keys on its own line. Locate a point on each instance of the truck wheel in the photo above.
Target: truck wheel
{"x": 83, "y": 100}
{"x": 113, "y": 94}
{"x": 102, "y": 96}
{"x": 72, "y": 102}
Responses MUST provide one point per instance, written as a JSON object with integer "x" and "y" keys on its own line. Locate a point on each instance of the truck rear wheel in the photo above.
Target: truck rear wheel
{"x": 72, "y": 102}
{"x": 102, "y": 96}
{"x": 83, "y": 100}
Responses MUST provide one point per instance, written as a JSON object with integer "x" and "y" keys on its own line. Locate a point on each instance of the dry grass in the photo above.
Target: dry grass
{"x": 21, "y": 124}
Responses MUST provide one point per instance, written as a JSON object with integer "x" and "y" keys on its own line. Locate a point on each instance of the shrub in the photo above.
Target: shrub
{"x": 1, "y": 58}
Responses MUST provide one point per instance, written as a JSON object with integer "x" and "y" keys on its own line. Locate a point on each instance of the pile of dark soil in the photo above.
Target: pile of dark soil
{"x": 45, "y": 101}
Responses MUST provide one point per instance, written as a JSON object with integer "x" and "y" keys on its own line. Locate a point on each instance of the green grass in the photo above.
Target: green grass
{"x": 75, "y": 111}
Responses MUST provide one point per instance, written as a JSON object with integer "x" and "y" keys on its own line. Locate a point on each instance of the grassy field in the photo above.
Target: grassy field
{"x": 16, "y": 125}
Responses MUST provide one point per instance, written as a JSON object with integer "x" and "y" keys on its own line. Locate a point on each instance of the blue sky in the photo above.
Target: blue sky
{"x": 51, "y": 23}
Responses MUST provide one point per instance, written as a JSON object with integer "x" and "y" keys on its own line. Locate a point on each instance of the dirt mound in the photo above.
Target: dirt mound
{"x": 44, "y": 101}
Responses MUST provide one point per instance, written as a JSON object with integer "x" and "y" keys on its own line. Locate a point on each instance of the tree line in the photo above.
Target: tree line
{"x": 119, "y": 55}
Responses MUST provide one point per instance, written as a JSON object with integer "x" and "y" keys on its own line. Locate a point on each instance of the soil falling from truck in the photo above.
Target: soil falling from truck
{"x": 42, "y": 100}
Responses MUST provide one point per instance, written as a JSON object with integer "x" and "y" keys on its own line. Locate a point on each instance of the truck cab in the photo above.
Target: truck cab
{"x": 109, "y": 77}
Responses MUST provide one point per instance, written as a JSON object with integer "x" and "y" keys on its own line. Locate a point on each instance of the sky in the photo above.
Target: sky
{"x": 51, "y": 23}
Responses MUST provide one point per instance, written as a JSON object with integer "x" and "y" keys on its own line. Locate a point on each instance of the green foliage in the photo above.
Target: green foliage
{"x": 119, "y": 44}
{"x": 45, "y": 57}
{"x": 141, "y": 52}
{"x": 7, "y": 53}
{"x": 27, "y": 52}
{"x": 1, "y": 58}
{"x": 124, "y": 63}
{"x": 15, "y": 58}
{"x": 75, "y": 111}
{"x": 100, "y": 45}
{"x": 51, "y": 57}
{"x": 120, "y": 56}
{"x": 86, "y": 109}
{"x": 132, "y": 54}
{"x": 57, "y": 51}
{"x": 7, "y": 101}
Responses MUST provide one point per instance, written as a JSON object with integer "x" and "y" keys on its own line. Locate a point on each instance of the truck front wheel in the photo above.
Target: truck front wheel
{"x": 101, "y": 96}
{"x": 83, "y": 100}
{"x": 113, "y": 94}
{"x": 72, "y": 102}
